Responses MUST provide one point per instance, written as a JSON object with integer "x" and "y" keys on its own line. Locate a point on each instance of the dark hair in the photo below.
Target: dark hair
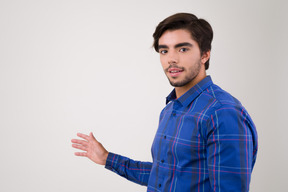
{"x": 200, "y": 30}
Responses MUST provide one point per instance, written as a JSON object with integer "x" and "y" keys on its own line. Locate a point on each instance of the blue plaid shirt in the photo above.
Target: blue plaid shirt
{"x": 206, "y": 141}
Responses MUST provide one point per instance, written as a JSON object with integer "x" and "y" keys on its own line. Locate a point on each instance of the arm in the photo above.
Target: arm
{"x": 232, "y": 147}
{"x": 135, "y": 171}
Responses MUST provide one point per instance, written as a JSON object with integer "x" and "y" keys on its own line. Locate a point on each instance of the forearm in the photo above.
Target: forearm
{"x": 135, "y": 171}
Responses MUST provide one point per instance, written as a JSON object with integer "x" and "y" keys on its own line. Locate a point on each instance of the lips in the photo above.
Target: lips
{"x": 174, "y": 72}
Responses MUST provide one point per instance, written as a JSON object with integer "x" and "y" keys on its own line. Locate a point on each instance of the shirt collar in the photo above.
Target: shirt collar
{"x": 192, "y": 93}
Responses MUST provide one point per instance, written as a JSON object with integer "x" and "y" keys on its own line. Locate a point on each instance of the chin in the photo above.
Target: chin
{"x": 178, "y": 84}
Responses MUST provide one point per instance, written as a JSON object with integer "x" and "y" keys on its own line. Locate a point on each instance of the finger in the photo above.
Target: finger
{"x": 82, "y": 142}
{"x": 83, "y": 136}
{"x": 83, "y": 154}
{"x": 79, "y": 147}
{"x": 92, "y": 136}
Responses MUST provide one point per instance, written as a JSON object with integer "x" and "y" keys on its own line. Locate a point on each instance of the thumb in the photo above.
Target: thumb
{"x": 91, "y": 135}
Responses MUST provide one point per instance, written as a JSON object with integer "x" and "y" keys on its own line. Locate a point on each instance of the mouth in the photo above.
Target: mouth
{"x": 175, "y": 72}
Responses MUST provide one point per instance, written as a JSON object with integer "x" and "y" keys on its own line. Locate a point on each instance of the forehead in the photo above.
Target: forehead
{"x": 173, "y": 37}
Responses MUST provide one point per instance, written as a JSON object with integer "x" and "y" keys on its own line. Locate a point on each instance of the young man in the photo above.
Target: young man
{"x": 206, "y": 141}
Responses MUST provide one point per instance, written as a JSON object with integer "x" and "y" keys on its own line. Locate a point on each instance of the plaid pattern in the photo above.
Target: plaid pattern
{"x": 206, "y": 141}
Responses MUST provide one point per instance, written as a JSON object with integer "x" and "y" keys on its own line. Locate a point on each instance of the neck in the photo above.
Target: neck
{"x": 182, "y": 90}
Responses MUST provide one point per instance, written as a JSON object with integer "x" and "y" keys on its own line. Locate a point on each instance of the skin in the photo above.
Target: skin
{"x": 179, "y": 52}
{"x": 184, "y": 67}
{"x": 91, "y": 147}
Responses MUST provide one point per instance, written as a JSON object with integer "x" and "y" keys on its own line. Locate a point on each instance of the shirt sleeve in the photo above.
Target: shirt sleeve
{"x": 135, "y": 171}
{"x": 231, "y": 149}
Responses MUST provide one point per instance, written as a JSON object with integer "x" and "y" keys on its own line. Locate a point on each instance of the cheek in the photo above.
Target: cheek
{"x": 191, "y": 60}
{"x": 163, "y": 62}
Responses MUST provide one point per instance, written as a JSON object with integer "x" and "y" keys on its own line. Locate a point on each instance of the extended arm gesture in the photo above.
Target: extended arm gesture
{"x": 91, "y": 147}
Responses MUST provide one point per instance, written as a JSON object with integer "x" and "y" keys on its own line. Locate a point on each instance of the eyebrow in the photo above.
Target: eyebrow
{"x": 176, "y": 46}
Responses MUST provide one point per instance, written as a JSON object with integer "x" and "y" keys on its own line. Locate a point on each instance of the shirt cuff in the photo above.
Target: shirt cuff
{"x": 112, "y": 161}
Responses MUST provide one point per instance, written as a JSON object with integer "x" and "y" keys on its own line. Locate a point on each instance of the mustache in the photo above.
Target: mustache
{"x": 174, "y": 66}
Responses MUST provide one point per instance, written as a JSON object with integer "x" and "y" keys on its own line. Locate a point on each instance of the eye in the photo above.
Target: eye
{"x": 183, "y": 49}
{"x": 163, "y": 51}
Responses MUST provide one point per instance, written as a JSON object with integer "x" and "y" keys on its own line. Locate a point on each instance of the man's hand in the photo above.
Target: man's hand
{"x": 93, "y": 149}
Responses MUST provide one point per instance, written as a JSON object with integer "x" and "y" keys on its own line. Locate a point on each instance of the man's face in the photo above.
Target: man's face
{"x": 180, "y": 57}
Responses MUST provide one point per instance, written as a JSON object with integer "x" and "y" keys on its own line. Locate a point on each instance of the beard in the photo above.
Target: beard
{"x": 192, "y": 73}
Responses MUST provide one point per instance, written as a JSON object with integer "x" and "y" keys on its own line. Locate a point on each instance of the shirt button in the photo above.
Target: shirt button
{"x": 164, "y": 136}
{"x": 159, "y": 185}
{"x": 174, "y": 114}
{"x": 162, "y": 161}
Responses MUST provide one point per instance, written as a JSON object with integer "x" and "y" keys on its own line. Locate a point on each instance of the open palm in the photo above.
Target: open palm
{"x": 91, "y": 147}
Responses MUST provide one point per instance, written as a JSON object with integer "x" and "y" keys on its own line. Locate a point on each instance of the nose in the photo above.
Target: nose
{"x": 172, "y": 58}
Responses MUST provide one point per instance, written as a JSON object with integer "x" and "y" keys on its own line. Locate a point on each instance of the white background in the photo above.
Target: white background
{"x": 80, "y": 66}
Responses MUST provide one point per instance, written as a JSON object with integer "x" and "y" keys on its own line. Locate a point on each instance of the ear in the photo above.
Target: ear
{"x": 205, "y": 56}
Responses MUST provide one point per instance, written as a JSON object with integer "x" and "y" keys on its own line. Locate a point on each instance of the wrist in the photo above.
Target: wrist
{"x": 105, "y": 156}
